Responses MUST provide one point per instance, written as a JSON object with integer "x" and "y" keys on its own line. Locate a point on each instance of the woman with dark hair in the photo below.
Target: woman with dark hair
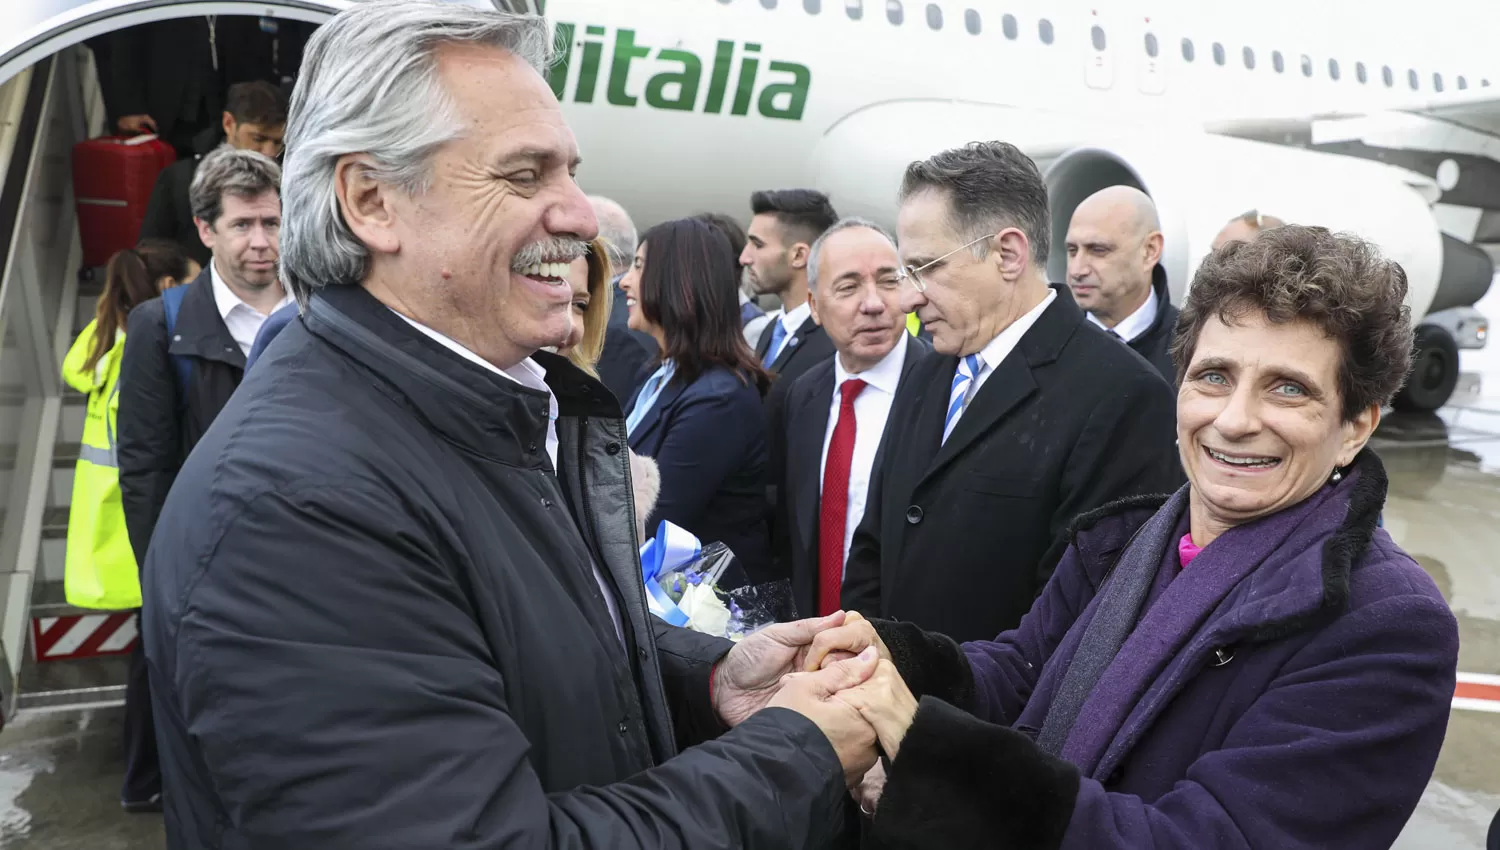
{"x": 700, "y": 413}
{"x": 1247, "y": 663}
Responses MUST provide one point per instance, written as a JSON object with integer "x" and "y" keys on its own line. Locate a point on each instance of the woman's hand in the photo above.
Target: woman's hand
{"x": 845, "y": 641}
{"x": 885, "y": 703}
{"x": 867, "y": 793}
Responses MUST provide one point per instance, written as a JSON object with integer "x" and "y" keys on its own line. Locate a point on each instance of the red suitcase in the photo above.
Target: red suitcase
{"x": 112, "y": 181}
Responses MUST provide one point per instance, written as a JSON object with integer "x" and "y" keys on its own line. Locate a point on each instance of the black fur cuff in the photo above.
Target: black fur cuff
{"x": 958, "y": 782}
{"x": 930, "y": 663}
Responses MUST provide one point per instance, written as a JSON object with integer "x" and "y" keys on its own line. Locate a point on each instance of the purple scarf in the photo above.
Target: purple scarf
{"x": 1115, "y": 670}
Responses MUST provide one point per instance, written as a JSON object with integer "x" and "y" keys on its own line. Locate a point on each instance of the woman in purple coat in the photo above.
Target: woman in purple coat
{"x": 1248, "y": 663}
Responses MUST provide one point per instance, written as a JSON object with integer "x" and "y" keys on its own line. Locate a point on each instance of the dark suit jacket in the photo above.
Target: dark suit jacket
{"x": 1156, "y": 343}
{"x": 798, "y": 436}
{"x": 709, "y": 440}
{"x": 626, "y": 353}
{"x": 803, "y": 350}
{"x": 960, "y": 538}
{"x": 169, "y": 213}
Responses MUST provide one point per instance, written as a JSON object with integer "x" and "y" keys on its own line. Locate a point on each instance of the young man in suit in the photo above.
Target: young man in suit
{"x": 784, "y": 227}
{"x": 1031, "y": 416}
{"x": 835, "y": 414}
{"x": 1114, "y": 247}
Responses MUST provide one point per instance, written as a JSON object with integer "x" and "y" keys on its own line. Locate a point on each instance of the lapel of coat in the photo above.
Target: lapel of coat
{"x": 789, "y": 349}
{"x": 764, "y": 343}
{"x": 645, "y": 431}
{"x": 1011, "y": 383}
{"x": 807, "y": 427}
{"x": 200, "y": 330}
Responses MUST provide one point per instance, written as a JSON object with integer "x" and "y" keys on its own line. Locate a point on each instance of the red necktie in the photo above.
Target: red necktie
{"x": 834, "y": 509}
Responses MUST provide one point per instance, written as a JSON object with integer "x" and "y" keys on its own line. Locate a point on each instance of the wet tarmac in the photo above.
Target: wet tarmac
{"x": 60, "y": 773}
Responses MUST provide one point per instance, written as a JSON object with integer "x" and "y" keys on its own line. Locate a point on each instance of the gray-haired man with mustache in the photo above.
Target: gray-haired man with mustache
{"x": 394, "y": 598}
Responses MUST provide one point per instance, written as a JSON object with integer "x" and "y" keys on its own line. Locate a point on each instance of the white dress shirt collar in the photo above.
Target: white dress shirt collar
{"x": 1136, "y": 323}
{"x": 793, "y": 320}
{"x": 884, "y": 376}
{"x": 1001, "y": 346}
{"x": 242, "y": 320}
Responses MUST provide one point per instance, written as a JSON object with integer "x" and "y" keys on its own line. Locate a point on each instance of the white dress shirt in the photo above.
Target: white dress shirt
{"x": 242, "y": 320}
{"x": 1136, "y": 323}
{"x": 992, "y": 355}
{"x": 871, "y": 409}
{"x": 528, "y": 373}
{"x": 791, "y": 322}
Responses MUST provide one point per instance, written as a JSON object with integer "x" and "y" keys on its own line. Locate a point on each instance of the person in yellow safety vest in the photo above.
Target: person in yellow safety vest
{"x": 913, "y": 324}
{"x": 100, "y": 570}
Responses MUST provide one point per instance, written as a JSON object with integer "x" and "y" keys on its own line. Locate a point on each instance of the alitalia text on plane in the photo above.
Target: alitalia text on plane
{"x": 673, "y": 78}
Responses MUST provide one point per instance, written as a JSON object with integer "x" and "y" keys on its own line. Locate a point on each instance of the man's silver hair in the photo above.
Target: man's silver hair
{"x": 617, "y": 231}
{"x": 230, "y": 171}
{"x": 369, "y": 84}
{"x": 815, "y": 254}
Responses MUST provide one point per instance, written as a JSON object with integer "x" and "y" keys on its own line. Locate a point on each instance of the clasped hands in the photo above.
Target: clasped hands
{"x": 836, "y": 672}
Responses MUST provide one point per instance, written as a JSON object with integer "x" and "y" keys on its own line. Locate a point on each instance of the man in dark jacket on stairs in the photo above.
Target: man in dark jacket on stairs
{"x": 395, "y": 597}
{"x": 1114, "y": 270}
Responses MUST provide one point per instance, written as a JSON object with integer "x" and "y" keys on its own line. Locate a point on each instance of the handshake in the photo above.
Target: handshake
{"x": 836, "y": 672}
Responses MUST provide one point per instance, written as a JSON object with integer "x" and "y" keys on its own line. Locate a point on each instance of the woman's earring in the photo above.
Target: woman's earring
{"x": 1338, "y": 475}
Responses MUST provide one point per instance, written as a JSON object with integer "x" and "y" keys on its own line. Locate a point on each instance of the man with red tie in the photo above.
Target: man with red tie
{"x": 831, "y": 425}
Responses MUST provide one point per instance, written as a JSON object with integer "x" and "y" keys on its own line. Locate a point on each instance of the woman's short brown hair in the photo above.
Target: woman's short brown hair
{"x": 586, "y": 353}
{"x": 1339, "y": 282}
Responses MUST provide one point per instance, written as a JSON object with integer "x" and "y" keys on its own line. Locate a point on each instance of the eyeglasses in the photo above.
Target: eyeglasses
{"x": 908, "y": 273}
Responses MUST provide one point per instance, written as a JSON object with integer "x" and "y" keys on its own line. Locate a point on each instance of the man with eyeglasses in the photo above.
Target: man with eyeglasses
{"x": 1027, "y": 416}
{"x": 254, "y": 119}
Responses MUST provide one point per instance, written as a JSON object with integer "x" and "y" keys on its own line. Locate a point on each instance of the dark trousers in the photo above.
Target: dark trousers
{"x": 142, "y": 767}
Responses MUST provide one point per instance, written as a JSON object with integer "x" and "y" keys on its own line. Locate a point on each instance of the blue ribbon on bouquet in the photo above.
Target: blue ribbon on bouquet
{"x": 672, "y": 548}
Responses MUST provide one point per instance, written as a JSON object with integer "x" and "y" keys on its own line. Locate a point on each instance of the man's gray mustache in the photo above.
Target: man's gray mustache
{"x": 557, "y": 250}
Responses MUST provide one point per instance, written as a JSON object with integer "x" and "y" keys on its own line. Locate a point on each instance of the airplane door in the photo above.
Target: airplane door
{"x": 1100, "y": 69}
{"x": 1151, "y": 74}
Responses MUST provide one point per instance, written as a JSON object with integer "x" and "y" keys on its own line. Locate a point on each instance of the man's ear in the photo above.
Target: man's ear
{"x": 799, "y": 254}
{"x": 229, "y": 125}
{"x": 205, "y": 232}
{"x": 1155, "y": 244}
{"x": 812, "y": 304}
{"x": 1012, "y": 251}
{"x": 366, "y": 203}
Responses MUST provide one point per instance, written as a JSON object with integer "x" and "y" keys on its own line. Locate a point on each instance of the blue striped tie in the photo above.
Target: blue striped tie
{"x": 962, "y": 376}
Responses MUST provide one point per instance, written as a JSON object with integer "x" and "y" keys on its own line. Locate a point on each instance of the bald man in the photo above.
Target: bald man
{"x": 1245, "y": 227}
{"x": 1114, "y": 269}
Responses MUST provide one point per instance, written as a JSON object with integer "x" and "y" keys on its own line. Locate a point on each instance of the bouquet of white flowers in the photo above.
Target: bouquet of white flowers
{"x": 682, "y": 587}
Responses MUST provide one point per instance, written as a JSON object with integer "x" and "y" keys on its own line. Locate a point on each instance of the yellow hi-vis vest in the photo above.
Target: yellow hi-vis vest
{"x": 100, "y": 565}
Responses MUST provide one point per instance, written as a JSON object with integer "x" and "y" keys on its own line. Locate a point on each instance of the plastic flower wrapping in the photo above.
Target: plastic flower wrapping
{"x": 683, "y": 587}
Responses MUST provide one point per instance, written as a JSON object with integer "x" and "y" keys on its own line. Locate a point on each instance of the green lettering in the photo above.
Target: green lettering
{"x": 557, "y": 75}
{"x": 796, "y": 92}
{"x": 745, "y": 88}
{"x": 686, "y": 82}
{"x": 619, "y": 72}
{"x": 588, "y": 72}
{"x": 719, "y": 82}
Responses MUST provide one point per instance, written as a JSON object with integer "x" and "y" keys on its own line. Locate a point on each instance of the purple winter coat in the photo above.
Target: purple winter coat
{"x": 1304, "y": 708}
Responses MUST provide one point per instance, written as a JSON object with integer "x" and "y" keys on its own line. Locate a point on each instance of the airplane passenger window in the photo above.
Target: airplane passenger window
{"x": 971, "y": 21}
{"x": 1390, "y": 78}
{"x": 1462, "y": 83}
{"x": 1306, "y": 65}
{"x": 813, "y": 7}
{"x": 1008, "y": 25}
{"x": 1484, "y": 84}
{"x": 1277, "y": 62}
{"x": 1412, "y": 79}
{"x": 893, "y": 12}
{"x": 1187, "y": 50}
{"x": 1218, "y": 53}
{"x": 769, "y": 4}
{"x": 1152, "y": 48}
{"x": 1044, "y": 29}
{"x": 1333, "y": 70}
{"x": 855, "y": 9}
{"x": 934, "y": 16}
{"x": 1249, "y": 56}
{"x": 1097, "y": 36}
{"x": 1437, "y": 82}
{"x": 1359, "y": 73}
